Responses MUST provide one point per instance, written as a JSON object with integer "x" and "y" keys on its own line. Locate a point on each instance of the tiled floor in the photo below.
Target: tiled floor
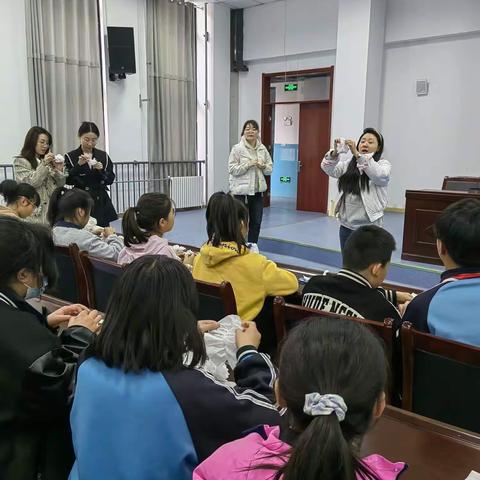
{"x": 307, "y": 239}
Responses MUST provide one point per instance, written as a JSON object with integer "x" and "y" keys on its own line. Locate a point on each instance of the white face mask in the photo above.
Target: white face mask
{"x": 36, "y": 292}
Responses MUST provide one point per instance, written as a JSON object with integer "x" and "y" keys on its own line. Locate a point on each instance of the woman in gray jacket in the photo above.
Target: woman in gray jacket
{"x": 68, "y": 214}
{"x": 249, "y": 161}
{"x": 36, "y": 166}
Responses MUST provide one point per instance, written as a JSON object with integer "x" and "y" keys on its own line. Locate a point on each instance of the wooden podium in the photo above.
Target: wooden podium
{"x": 422, "y": 207}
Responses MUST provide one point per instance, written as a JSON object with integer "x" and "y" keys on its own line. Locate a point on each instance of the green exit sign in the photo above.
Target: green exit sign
{"x": 290, "y": 87}
{"x": 285, "y": 179}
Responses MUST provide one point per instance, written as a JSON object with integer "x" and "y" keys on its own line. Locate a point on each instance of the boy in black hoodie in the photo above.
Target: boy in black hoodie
{"x": 355, "y": 290}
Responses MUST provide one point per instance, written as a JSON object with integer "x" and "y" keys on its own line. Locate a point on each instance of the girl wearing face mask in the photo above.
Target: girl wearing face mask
{"x": 362, "y": 182}
{"x": 69, "y": 213}
{"x": 91, "y": 170}
{"x": 36, "y": 165}
{"x": 21, "y": 199}
{"x": 37, "y": 366}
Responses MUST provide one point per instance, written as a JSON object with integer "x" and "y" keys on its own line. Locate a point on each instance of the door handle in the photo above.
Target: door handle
{"x": 299, "y": 166}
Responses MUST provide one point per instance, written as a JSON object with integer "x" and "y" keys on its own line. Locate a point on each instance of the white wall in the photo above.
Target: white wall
{"x": 414, "y": 19}
{"x": 14, "y": 96}
{"x": 127, "y": 127}
{"x": 429, "y": 137}
{"x": 311, "y": 26}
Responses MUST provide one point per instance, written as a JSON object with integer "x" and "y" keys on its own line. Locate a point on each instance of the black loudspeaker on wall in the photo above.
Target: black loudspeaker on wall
{"x": 121, "y": 52}
{"x": 236, "y": 41}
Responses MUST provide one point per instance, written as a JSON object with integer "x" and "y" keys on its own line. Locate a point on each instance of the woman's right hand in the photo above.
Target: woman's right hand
{"x": 248, "y": 334}
{"x": 87, "y": 318}
{"x": 252, "y": 163}
{"x": 336, "y": 143}
{"x": 49, "y": 159}
{"x": 82, "y": 159}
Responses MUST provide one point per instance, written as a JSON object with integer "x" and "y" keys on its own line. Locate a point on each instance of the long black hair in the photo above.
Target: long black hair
{"x": 64, "y": 201}
{"x": 12, "y": 191}
{"x": 139, "y": 222}
{"x": 224, "y": 216}
{"x": 352, "y": 181}
{"x": 151, "y": 319}
{"x": 30, "y": 144}
{"x": 25, "y": 245}
{"x": 329, "y": 356}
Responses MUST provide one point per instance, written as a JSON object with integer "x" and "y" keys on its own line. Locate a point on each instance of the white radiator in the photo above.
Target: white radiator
{"x": 187, "y": 192}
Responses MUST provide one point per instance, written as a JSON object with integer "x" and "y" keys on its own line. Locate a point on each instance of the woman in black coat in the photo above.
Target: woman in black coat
{"x": 37, "y": 365}
{"x": 92, "y": 170}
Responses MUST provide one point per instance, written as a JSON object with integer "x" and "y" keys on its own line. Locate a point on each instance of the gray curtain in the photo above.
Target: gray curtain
{"x": 172, "y": 109}
{"x": 64, "y": 67}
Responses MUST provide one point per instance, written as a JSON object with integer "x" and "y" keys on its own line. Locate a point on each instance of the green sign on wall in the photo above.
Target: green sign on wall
{"x": 290, "y": 87}
{"x": 285, "y": 179}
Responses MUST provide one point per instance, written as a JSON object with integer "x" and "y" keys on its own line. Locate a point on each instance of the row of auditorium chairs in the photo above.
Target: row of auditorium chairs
{"x": 439, "y": 378}
{"x": 89, "y": 280}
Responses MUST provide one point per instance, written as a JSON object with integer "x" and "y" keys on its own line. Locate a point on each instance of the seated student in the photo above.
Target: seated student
{"x": 68, "y": 214}
{"x": 355, "y": 290}
{"x": 143, "y": 227}
{"x": 21, "y": 199}
{"x": 225, "y": 257}
{"x": 37, "y": 366}
{"x": 143, "y": 408}
{"x": 451, "y": 308}
{"x": 330, "y": 407}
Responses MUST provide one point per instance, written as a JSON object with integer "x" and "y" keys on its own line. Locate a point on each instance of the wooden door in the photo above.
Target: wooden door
{"x": 313, "y": 142}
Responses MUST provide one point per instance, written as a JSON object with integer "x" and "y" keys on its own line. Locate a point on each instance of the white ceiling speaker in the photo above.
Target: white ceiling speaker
{"x": 422, "y": 87}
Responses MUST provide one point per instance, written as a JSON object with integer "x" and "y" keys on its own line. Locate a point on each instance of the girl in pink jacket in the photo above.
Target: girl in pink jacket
{"x": 143, "y": 228}
{"x": 332, "y": 380}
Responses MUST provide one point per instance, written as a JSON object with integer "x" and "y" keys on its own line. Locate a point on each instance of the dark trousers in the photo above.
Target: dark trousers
{"x": 255, "y": 213}
{"x": 344, "y": 234}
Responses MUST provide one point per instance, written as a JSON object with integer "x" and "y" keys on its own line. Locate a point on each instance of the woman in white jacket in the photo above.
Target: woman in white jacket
{"x": 362, "y": 182}
{"x": 248, "y": 164}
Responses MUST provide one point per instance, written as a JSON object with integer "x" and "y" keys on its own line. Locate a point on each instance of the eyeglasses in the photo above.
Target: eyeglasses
{"x": 43, "y": 142}
{"x": 89, "y": 140}
{"x": 31, "y": 204}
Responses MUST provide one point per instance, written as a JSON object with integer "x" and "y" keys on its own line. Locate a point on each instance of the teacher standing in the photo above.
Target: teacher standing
{"x": 362, "y": 182}
{"x": 91, "y": 170}
{"x": 248, "y": 164}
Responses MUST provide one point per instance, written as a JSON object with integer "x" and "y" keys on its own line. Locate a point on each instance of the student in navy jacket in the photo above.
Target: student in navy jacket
{"x": 451, "y": 309}
{"x": 36, "y": 365}
{"x": 144, "y": 408}
{"x": 91, "y": 169}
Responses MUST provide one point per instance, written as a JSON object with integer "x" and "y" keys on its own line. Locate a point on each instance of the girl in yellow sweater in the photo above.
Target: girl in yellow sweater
{"x": 226, "y": 257}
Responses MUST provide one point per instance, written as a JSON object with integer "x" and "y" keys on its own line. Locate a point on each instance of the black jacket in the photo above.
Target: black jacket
{"x": 94, "y": 181}
{"x": 348, "y": 293}
{"x": 36, "y": 386}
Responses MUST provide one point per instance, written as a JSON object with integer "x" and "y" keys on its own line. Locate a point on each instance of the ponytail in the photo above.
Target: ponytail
{"x": 320, "y": 452}
{"x": 64, "y": 202}
{"x": 12, "y": 191}
{"x": 139, "y": 222}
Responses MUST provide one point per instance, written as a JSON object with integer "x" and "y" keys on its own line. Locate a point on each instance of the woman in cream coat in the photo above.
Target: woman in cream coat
{"x": 36, "y": 166}
{"x": 248, "y": 164}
